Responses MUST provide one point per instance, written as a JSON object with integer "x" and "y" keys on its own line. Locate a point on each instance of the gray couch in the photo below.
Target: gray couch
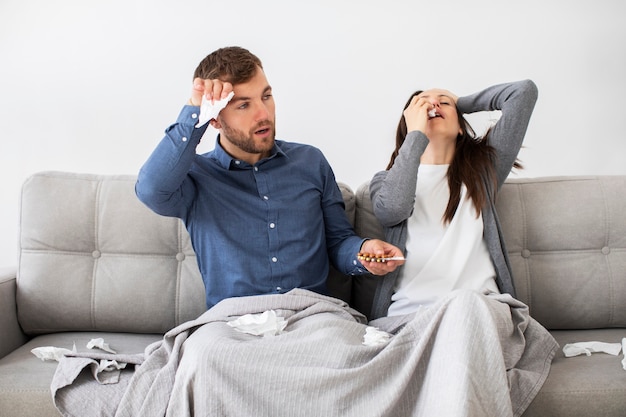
{"x": 94, "y": 262}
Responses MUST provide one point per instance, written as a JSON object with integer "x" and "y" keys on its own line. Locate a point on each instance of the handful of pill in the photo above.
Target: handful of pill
{"x": 369, "y": 257}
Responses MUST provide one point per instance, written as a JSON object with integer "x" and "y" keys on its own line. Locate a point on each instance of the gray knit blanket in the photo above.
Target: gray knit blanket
{"x": 469, "y": 355}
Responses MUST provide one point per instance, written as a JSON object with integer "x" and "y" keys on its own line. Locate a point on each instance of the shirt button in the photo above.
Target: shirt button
{"x": 265, "y": 197}
{"x": 194, "y": 116}
{"x": 274, "y": 259}
{"x": 279, "y": 288}
{"x": 184, "y": 139}
{"x": 237, "y": 162}
{"x": 272, "y": 225}
{"x": 256, "y": 168}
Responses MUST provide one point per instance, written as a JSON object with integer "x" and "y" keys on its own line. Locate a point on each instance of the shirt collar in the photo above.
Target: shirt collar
{"x": 227, "y": 162}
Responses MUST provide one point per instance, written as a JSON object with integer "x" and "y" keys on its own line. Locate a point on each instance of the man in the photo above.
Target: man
{"x": 264, "y": 215}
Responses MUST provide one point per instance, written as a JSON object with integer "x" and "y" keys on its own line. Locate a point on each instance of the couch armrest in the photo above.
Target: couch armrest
{"x": 12, "y": 335}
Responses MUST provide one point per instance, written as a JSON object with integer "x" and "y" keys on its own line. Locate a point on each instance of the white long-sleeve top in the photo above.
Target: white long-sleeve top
{"x": 441, "y": 257}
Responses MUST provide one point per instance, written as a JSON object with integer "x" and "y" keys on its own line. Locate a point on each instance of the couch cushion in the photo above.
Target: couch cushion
{"x": 349, "y": 201}
{"x": 583, "y": 386}
{"x": 25, "y": 379}
{"x": 92, "y": 257}
{"x": 566, "y": 238}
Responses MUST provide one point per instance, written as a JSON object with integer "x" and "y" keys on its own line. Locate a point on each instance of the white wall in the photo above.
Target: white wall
{"x": 89, "y": 86}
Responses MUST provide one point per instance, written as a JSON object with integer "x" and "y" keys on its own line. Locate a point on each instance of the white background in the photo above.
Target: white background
{"x": 89, "y": 86}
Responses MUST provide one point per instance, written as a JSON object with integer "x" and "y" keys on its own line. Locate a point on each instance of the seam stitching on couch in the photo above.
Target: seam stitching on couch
{"x": 607, "y": 235}
{"x": 96, "y": 219}
{"x": 520, "y": 188}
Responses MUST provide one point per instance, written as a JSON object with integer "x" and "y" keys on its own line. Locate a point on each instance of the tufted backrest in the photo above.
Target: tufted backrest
{"x": 566, "y": 240}
{"x": 92, "y": 257}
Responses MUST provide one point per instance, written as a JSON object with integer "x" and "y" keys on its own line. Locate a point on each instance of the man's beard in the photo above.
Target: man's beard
{"x": 246, "y": 142}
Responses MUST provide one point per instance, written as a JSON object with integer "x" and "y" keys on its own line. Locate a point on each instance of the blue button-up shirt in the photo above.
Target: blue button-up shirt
{"x": 256, "y": 229}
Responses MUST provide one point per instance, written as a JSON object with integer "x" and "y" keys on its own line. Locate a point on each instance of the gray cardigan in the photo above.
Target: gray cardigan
{"x": 393, "y": 191}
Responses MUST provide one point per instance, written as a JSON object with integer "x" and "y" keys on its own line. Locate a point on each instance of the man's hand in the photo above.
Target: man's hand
{"x": 379, "y": 248}
{"x": 211, "y": 89}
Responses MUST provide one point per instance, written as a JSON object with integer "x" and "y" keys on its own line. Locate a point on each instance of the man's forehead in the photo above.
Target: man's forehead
{"x": 255, "y": 86}
{"x": 247, "y": 93}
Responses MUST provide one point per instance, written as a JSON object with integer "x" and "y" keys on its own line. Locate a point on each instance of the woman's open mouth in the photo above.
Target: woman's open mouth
{"x": 432, "y": 114}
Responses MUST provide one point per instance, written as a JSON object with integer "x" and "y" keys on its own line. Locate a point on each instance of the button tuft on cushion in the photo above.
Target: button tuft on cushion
{"x": 180, "y": 257}
{"x": 96, "y": 254}
{"x": 525, "y": 253}
{"x": 606, "y": 250}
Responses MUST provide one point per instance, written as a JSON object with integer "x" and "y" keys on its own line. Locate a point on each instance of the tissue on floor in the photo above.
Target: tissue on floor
{"x": 587, "y": 348}
{"x": 263, "y": 324}
{"x": 100, "y": 344}
{"x": 51, "y": 353}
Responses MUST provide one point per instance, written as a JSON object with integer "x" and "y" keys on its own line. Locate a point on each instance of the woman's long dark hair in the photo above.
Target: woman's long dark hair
{"x": 473, "y": 164}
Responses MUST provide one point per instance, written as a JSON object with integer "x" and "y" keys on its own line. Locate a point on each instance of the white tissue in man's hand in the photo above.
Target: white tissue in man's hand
{"x": 263, "y": 324}
{"x": 210, "y": 110}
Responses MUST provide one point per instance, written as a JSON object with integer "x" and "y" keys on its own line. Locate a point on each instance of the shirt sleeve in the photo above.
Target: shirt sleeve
{"x": 163, "y": 184}
{"x": 393, "y": 191}
{"x": 342, "y": 243}
{"x": 516, "y": 101}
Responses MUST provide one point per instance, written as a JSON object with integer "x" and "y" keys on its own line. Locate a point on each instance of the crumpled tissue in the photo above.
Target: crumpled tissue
{"x": 587, "y": 348}
{"x": 267, "y": 323}
{"x": 110, "y": 365}
{"x": 51, "y": 353}
{"x": 100, "y": 344}
{"x": 375, "y": 337}
{"x": 210, "y": 110}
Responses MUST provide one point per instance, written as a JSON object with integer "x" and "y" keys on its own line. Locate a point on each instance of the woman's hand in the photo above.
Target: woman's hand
{"x": 416, "y": 114}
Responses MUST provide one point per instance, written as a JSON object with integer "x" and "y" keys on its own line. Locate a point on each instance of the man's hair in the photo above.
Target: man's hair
{"x": 232, "y": 64}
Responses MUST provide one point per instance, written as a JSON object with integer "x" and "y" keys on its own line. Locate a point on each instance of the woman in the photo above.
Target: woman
{"x": 436, "y": 203}
{"x": 438, "y": 164}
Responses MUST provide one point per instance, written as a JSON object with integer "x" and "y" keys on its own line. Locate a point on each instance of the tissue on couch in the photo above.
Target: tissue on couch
{"x": 263, "y": 324}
